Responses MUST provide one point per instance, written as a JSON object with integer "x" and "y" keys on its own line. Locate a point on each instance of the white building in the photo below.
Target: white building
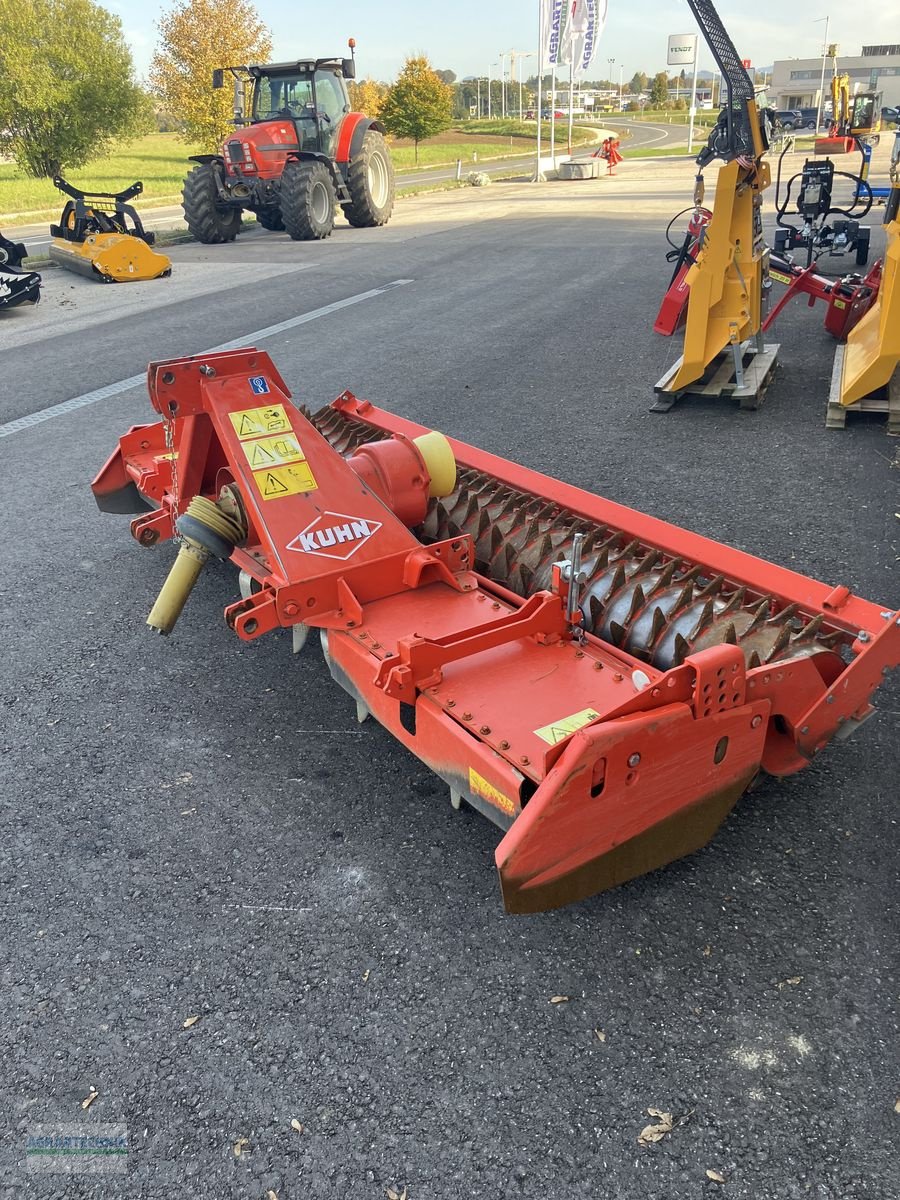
{"x": 795, "y": 81}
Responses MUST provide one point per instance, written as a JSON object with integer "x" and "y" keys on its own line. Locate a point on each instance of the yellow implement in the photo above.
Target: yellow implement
{"x": 103, "y": 241}
{"x": 872, "y": 353}
{"x": 726, "y": 280}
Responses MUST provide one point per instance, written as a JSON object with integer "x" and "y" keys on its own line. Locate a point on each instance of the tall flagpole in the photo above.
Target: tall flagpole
{"x": 571, "y": 98}
{"x": 553, "y": 118}
{"x": 538, "y": 177}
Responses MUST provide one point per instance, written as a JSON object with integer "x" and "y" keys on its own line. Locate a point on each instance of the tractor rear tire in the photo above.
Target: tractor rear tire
{"x": 307, "y": 201}
{"x": 370, "y": 182}
{"x": 270, "y": 218}
{"x": 209, "y": 221}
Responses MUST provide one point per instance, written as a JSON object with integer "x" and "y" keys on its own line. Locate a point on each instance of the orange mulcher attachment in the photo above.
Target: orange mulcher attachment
{"x": 602, "y": 685}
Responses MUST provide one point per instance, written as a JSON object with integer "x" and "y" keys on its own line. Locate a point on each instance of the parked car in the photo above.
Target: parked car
{"x": 809, "y": 118}
{"x": 789, "y": 118}
{"x": 891, "y": 116}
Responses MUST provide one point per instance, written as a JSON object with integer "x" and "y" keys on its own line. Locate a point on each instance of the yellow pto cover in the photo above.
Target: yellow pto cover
{"x": 111, "y": 246}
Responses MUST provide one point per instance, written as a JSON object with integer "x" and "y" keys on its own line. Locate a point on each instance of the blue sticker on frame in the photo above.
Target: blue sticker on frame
{"x": 259, "y": 385}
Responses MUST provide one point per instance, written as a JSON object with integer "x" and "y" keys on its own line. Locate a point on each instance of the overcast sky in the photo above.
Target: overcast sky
{"x": 468, "y": 36}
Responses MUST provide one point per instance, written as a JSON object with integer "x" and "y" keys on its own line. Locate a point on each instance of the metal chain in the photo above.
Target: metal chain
{"x": 169, "y": 431}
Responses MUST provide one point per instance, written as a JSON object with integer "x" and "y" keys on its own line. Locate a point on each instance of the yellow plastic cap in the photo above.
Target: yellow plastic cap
{"x": 439, "y": 462}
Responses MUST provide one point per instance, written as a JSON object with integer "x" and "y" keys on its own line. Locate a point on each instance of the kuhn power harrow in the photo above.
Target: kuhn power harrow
{"x": 602, "y": 685}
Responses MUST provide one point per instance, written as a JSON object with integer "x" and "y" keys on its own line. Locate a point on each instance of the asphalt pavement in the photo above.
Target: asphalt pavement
{"x": 198, "y": 827}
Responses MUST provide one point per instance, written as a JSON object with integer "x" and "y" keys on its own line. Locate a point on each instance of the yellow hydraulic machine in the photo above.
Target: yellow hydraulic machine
{"x": 101, "y": 236}
{"x": 729, "y": 277}
{"x": 870, "y": 359}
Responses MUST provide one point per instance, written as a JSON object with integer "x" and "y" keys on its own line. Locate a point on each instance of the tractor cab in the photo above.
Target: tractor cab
{"x": 313, "y": 95}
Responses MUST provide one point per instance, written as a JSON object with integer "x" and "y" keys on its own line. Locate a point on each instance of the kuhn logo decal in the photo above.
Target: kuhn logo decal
{"x": 334, "y": 535}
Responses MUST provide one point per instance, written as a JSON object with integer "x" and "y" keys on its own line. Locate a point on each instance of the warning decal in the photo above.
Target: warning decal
{"x": 285, "y": 481}
{"x": 778, "y": 275}
{"x": 479, "y": 786}
{"x": 257, "y": 422}
{"x": 565, "y": 726}
{"x": 273, "y": 451}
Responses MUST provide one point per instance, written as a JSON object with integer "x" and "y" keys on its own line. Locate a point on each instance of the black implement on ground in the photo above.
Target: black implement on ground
{"x": 90, "y": 212}
{"x": 17, "y": 286}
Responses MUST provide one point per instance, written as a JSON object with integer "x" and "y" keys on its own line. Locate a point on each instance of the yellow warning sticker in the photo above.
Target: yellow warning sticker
{"x": 257, "y": 422}
{"x": 273, "y": 451}
{"x": 479, "y": 786}
{"x": 781, "y": 278}
{"x": 561, "y": 729}
{"x": 285, "y": 481}
{"x": 839, "y": 303}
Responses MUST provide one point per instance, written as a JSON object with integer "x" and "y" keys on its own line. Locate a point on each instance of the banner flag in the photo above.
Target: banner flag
{"x": 586, "y": 19}
{"x": 552, "y": 18}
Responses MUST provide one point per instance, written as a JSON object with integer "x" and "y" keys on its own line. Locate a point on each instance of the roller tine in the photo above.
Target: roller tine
{"x": 760, "y": 616}
{"x": 650, "y": 559}
{"x": 665, "y": 576}
{"x": 496, "y": 539}
{"x": 659, "y": 624}
{"x": 809, "y": 632}
{"x": 712, "y": 588}
{"x": 527, "y": 577}
{"x": 731, "y": 636}
{"x": 830, "y": 640}
{"x": 616, "y": 633}
{"x": 618, "y": 581}
{"x": 754, "y": 660}
{"x": 786, "y": 614}
{"x": 685, "y": 596}
{"x": 705, "y": 618}
{"x": 781, "y": 643}
{"x": 629, "y": 549}
{"x": 682, "y": 649}
{"x": 545, "y": 550}
{"x": 735, "y": 600}
{"x": 596, "y": 611}
{"x": 637, "y": 603}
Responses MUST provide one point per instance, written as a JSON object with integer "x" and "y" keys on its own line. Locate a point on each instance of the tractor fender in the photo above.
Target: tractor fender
{"x": 207, "y": 158}
{"x": 354, "y": 128}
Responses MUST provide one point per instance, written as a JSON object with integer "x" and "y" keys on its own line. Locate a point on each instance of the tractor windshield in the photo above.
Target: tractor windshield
{"x": 283, "y": 96}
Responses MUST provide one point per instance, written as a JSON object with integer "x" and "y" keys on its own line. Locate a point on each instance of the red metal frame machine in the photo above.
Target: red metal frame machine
{"x": 602, "y": 685}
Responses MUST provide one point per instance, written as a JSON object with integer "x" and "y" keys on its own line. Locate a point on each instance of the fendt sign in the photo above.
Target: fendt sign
{"x": 682, "y": 49}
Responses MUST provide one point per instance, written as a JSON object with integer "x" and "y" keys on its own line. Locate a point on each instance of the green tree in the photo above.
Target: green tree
{"x": 67, "y": 87}
{"x": 367, "y": 96}
{"x": 638, "y": 83}
{"x": 197, "y": 36}
{"x": 448, "y": 77}
{"x": 659, "y": 89}
{"x": 419, "y": 105}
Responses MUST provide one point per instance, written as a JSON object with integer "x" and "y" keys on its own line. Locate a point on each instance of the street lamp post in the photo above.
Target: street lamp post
{"x": 821, "y": 104}
{"x": 612, "y": 63}
{"x": 503, "y": 84}
{"x": 621, "y": 69}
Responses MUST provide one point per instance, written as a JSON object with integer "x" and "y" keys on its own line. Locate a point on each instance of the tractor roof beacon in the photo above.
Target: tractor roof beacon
{"x": 297, "y": 152}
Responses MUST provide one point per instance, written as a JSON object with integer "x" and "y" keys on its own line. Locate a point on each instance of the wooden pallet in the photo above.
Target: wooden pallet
{"x": 883, "y": 400}
{"x": 718, "y": 380}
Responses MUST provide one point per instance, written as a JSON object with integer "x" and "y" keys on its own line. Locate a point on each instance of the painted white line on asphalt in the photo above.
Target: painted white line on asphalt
{"x": 249, "y": 339}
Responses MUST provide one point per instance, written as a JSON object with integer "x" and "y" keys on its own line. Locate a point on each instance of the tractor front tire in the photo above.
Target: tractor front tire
{"x": 370, "y": 182}
{"x": 270, "y": 218}
{"x": 307, "y": 201}
{"x": 209, "y": 221}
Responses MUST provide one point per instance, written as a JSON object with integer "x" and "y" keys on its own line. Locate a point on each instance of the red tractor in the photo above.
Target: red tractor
{"x": 300, "y": 153}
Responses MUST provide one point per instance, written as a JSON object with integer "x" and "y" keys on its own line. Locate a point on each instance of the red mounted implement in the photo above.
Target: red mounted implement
{"x": 601, "y": 684}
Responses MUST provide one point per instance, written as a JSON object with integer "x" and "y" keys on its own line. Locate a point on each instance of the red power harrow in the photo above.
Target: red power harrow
{"x": 601, "y": 684}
